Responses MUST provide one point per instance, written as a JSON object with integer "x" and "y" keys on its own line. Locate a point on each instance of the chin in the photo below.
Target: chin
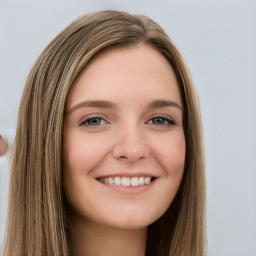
{"x": 132, "y": 220}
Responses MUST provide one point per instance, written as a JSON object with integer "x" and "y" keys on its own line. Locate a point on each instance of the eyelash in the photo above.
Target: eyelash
{"x": 167, "y": 121}
{"x": 85, "y": 122}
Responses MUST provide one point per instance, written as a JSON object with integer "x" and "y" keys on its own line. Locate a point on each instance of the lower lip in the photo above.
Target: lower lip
{"x": 130, "y": 190}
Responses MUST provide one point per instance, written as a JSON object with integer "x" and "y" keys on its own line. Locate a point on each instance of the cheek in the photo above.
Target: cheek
{"x": 170, "y": 153}
{"x": 82, "y": 153}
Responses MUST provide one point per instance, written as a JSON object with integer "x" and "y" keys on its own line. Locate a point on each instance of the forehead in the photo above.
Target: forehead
{"x": 125, "y": 72}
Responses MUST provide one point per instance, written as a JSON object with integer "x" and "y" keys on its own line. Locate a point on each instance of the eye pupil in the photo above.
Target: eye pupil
{"x": 158, "y": 121}
{"x": 94, "y": 121}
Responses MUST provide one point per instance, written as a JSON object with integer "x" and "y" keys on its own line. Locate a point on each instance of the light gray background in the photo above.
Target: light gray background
{"x": 218, "y": 41}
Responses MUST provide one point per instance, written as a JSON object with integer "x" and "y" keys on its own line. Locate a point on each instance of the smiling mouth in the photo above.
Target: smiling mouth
{"x": 127, "y": 181}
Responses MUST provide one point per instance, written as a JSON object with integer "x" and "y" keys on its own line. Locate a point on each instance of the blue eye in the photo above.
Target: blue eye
{"x": 95, "y": 121}
{"x": 161, "y": 121}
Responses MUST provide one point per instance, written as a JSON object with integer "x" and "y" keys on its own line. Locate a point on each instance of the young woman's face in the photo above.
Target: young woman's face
{"x": 123, "y": 127}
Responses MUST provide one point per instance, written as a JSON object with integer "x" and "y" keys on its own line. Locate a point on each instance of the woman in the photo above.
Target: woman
{"x": 108, "y": 152}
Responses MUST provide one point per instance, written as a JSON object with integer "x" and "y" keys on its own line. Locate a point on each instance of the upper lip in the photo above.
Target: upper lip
{"x": 127, "y": 174}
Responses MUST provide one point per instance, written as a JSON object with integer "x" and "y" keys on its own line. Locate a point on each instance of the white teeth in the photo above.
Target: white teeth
{"x": 147, "y": 180}
{"x": 111, "y": 181}
{"x": 141, "y": 180}
{"x": 117, "y": 181}
{"x": 127, "y": 181}
{"x": 135, "y": 181}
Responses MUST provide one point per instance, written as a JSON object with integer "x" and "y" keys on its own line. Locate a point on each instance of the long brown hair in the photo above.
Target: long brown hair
{"x": 37, "y": 223}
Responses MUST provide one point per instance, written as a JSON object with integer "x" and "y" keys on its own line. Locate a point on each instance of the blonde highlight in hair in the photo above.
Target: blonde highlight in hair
{"x": 37, "y": 222}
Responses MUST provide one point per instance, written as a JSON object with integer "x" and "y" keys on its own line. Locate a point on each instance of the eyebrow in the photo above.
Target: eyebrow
{"x": 94, "y": 103}
{"x": 163, "y": 103}
{"x": 160, "y": 103}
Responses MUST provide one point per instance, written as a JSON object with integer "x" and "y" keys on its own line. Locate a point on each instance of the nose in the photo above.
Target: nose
{"x": 130, "y": 144}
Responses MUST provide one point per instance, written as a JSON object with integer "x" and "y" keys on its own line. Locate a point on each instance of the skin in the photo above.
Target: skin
{"x": 130, "y": 136}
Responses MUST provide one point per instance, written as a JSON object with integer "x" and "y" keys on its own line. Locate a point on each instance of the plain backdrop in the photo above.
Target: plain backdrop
{"x": 218, "y": 41}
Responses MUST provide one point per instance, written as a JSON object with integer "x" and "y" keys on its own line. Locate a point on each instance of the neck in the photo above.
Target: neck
{"x": 91, "y": 239}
